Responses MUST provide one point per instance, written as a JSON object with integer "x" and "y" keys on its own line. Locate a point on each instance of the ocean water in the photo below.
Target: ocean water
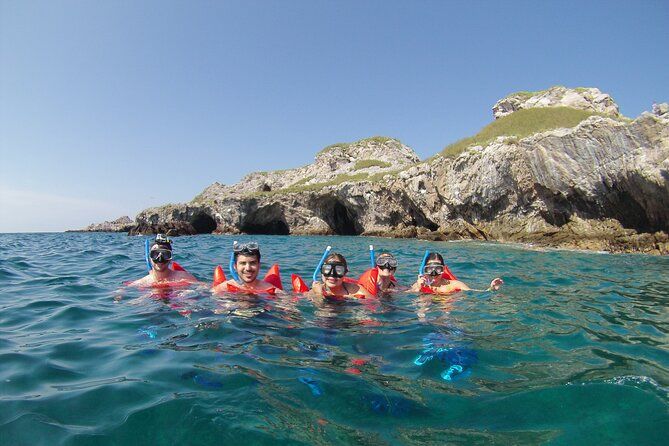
{"x": 573, "y": 349}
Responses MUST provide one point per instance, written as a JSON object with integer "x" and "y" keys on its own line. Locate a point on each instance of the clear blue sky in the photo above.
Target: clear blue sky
{"x": 108, "y": 107}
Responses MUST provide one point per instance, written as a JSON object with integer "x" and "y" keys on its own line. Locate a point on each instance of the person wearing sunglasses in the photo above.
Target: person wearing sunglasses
{"x": 333, "y": 280}
{"x": 160, "y": 260}
{"x": 246, "y": 258}
{"x": 436, "y": 278}
{"x": 386, "y": 263}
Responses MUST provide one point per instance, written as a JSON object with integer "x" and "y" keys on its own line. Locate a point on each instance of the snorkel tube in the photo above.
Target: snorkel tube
{"x": 147, "y": 248}
{"x": 371, "y": 256}
{"x": 422, "y": 265}
{"x": 318, "y": 268}
{"x": 233, "y": 273}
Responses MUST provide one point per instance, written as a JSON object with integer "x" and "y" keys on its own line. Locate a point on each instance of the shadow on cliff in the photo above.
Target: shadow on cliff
{"x": 265, "y": 220}
{"x": 632, "y": 201}
{"x": 341, "y": 219}
{"x": 203, "y": 223}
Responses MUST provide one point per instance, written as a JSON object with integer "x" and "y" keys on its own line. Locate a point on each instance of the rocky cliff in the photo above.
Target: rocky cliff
{"x": 579, "y": 98}
{"x": 601, "y": 183}
{"x": 121, "y": 224}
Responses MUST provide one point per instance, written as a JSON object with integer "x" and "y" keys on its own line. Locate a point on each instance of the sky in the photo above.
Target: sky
{"x": 110, "y": 107}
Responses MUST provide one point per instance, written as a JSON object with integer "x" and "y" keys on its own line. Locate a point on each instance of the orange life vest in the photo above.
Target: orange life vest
{"x": 272, "y": 277}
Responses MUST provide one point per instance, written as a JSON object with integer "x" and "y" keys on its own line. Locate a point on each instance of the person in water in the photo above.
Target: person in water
{"x": 432, "y": 279}
{"x": 160, "y": 255}
{"x": 386, "y": 263}
{"x": 247, "y": 266}
{"x": 333, "y": 272}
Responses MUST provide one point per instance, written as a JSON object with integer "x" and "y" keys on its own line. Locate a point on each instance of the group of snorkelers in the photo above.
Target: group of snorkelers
{"x": 434, "y": 276}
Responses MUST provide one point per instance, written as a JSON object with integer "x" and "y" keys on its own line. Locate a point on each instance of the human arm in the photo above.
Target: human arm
{"x": 316, "y": 289}
{"x": 495, "y": 285}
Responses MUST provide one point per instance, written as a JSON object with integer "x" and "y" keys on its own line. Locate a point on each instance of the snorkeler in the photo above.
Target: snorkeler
{"x": 436, "y": 278}
{"x": 163, "y": 271}
{"x": 334, "y": 282}
{"x": 386, "y": 264}
{"x": 246, "y": 267}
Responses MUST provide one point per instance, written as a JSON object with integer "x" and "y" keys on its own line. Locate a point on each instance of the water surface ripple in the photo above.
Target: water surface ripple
{"x": 573, "y": 349}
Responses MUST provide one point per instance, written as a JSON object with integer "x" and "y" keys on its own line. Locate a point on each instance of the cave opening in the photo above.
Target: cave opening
{"x": 273, "y": 227}
{"x": 203, "y": 223}
{"x": 342, "y": 220}
{"x": 265, "y": 220}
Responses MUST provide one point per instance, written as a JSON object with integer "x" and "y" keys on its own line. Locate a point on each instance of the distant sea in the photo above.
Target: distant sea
{"x": 573, "y": 350}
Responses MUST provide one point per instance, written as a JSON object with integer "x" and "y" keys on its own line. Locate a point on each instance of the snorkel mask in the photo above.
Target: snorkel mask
{"x": 161, "y": 251}
{"x": 251, "y": 248}
{"x": 433, "y": 270}
{"x": 386, "y": 262}
{"x": 336, "y": 270}
{"x": 161, "y": 255}
{"x": 431, "y": 273}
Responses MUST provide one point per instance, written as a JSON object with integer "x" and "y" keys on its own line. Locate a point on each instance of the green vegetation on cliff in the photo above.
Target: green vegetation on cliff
{"x": 521, "y": 124}
{"x": 363, "y": 164}
{"x": 529, "y": 94}
{"x": 300, "y": 186}
{"x": 344, "y": 145}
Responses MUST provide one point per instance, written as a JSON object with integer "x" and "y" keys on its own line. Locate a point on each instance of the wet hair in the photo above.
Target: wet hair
{"x": 435, "y": 256}
{"x": 335, "y": 257}
{"x": 254, "y": 253}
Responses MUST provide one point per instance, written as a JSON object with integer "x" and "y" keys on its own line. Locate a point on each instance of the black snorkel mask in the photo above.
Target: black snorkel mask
{"x": 336, "y": 270}
{"x": 250, "y": 248}
{"x": 433, "y": 270}
{"x": 161, "y": 255}
{"x": 386, "y": 262}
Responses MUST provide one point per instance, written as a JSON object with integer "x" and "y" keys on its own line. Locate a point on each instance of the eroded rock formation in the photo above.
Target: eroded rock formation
{"x": 580, "y": 98}
{"x": 603, "y": 184}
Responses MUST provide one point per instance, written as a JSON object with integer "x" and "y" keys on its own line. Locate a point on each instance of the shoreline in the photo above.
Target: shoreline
{"x": 570, "y": 245}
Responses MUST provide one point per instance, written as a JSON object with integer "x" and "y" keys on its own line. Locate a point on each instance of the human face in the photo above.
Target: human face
{"x": 433, "y": 270}
{"x": 386, "y": 265}
{"x": 160, "y": 258}
{"x": 247, "y": 267}
{"x": 332, "y": 273}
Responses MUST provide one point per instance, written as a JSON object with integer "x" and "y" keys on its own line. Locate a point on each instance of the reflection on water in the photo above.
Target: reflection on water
{"x": 573, "y": 349}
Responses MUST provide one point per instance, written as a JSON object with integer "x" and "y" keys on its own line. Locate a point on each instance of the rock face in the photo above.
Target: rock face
{"x": 590, "y": 99}
{"x": 603, "y": 184}
{"x": 661, "y": 109}
{"x": 372, "y": 156}
{"x": 121, "y": 224}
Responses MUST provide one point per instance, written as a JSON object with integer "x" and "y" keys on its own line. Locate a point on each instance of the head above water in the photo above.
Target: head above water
{"x": 161, "y": 252}
{"x": 249, "y": 249}
{"x": 434, "y": 265}
{"x": 386, "y": 261}
{"x": 247, "y": 261}
{"x": 334, "y": 267}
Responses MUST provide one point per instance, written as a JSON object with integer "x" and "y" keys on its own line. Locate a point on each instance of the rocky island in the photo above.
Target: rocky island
{"x": 560, "y": 167}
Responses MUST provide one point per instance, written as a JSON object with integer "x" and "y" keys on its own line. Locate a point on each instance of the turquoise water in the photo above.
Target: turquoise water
{"x": 573, "y": 349}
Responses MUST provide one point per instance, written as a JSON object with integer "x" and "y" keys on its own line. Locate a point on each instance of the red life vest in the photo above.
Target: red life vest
{"x": 272, "y": 277}
{"x": 448, "y": 275}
